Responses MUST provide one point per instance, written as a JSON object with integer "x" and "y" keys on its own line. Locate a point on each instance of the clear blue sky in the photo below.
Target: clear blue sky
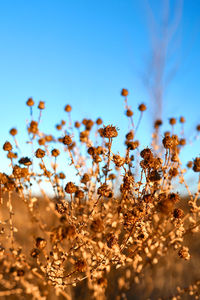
{"x": 84, "y": 52}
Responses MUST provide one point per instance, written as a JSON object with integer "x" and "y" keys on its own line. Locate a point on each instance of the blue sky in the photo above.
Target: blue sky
{"x": 84, "y": 52}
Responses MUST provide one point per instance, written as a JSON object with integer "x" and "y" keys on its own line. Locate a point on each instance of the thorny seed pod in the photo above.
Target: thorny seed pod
{"x": 30, "y": 102}
{"x": 70, "y": 188}
{"x": 55, "y": 152}
{"x": 142, "y": 107}
{"x": 40, "y": 243}
{"x": 41, "y": 105}
{"x": 7, "y": 146}
{"x": 67, "y": 140}
{"x": 13, "y": 131}
{"x": 68, "y": 108}
{"x": 124, "y": 92}
{"x": 110, "y": 131}
{"x": 39, "y": 153}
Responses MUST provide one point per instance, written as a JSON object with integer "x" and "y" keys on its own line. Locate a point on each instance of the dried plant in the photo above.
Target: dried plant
{"x": 100, "y": 233}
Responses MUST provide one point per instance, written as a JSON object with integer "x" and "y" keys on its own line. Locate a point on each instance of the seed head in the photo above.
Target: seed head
{"x": 157, "y": 124}
{"x": 99, "y": 121}
{"x": 196, "y": 164}
{"x": 41, "y": 243}
{"x": 41, "y": 105}
{"x": 142, "y": 107}
{"x": 178, "y": 213}
{"x": 55, "y": 152}
{"x": 70, "y": 188}
{"x": 67, "y": 140}
{"x": 81, "y": 265}
{"x": 68, "y": 108}
{"x": 13, "y": 131}
{"x": 25, "y": 161}
{"x": 172, "y": 121}
{"x": 110, "y": 131}
{"x": 182, "y": 120}
{"x": 30, "y": 102}
{"x": 124, "y": 92}
{"x": 39, "y": 153}
{"x": 77, "y": 124}
{"x": 129, "y": 113}
{"x": 7, "y": 146}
